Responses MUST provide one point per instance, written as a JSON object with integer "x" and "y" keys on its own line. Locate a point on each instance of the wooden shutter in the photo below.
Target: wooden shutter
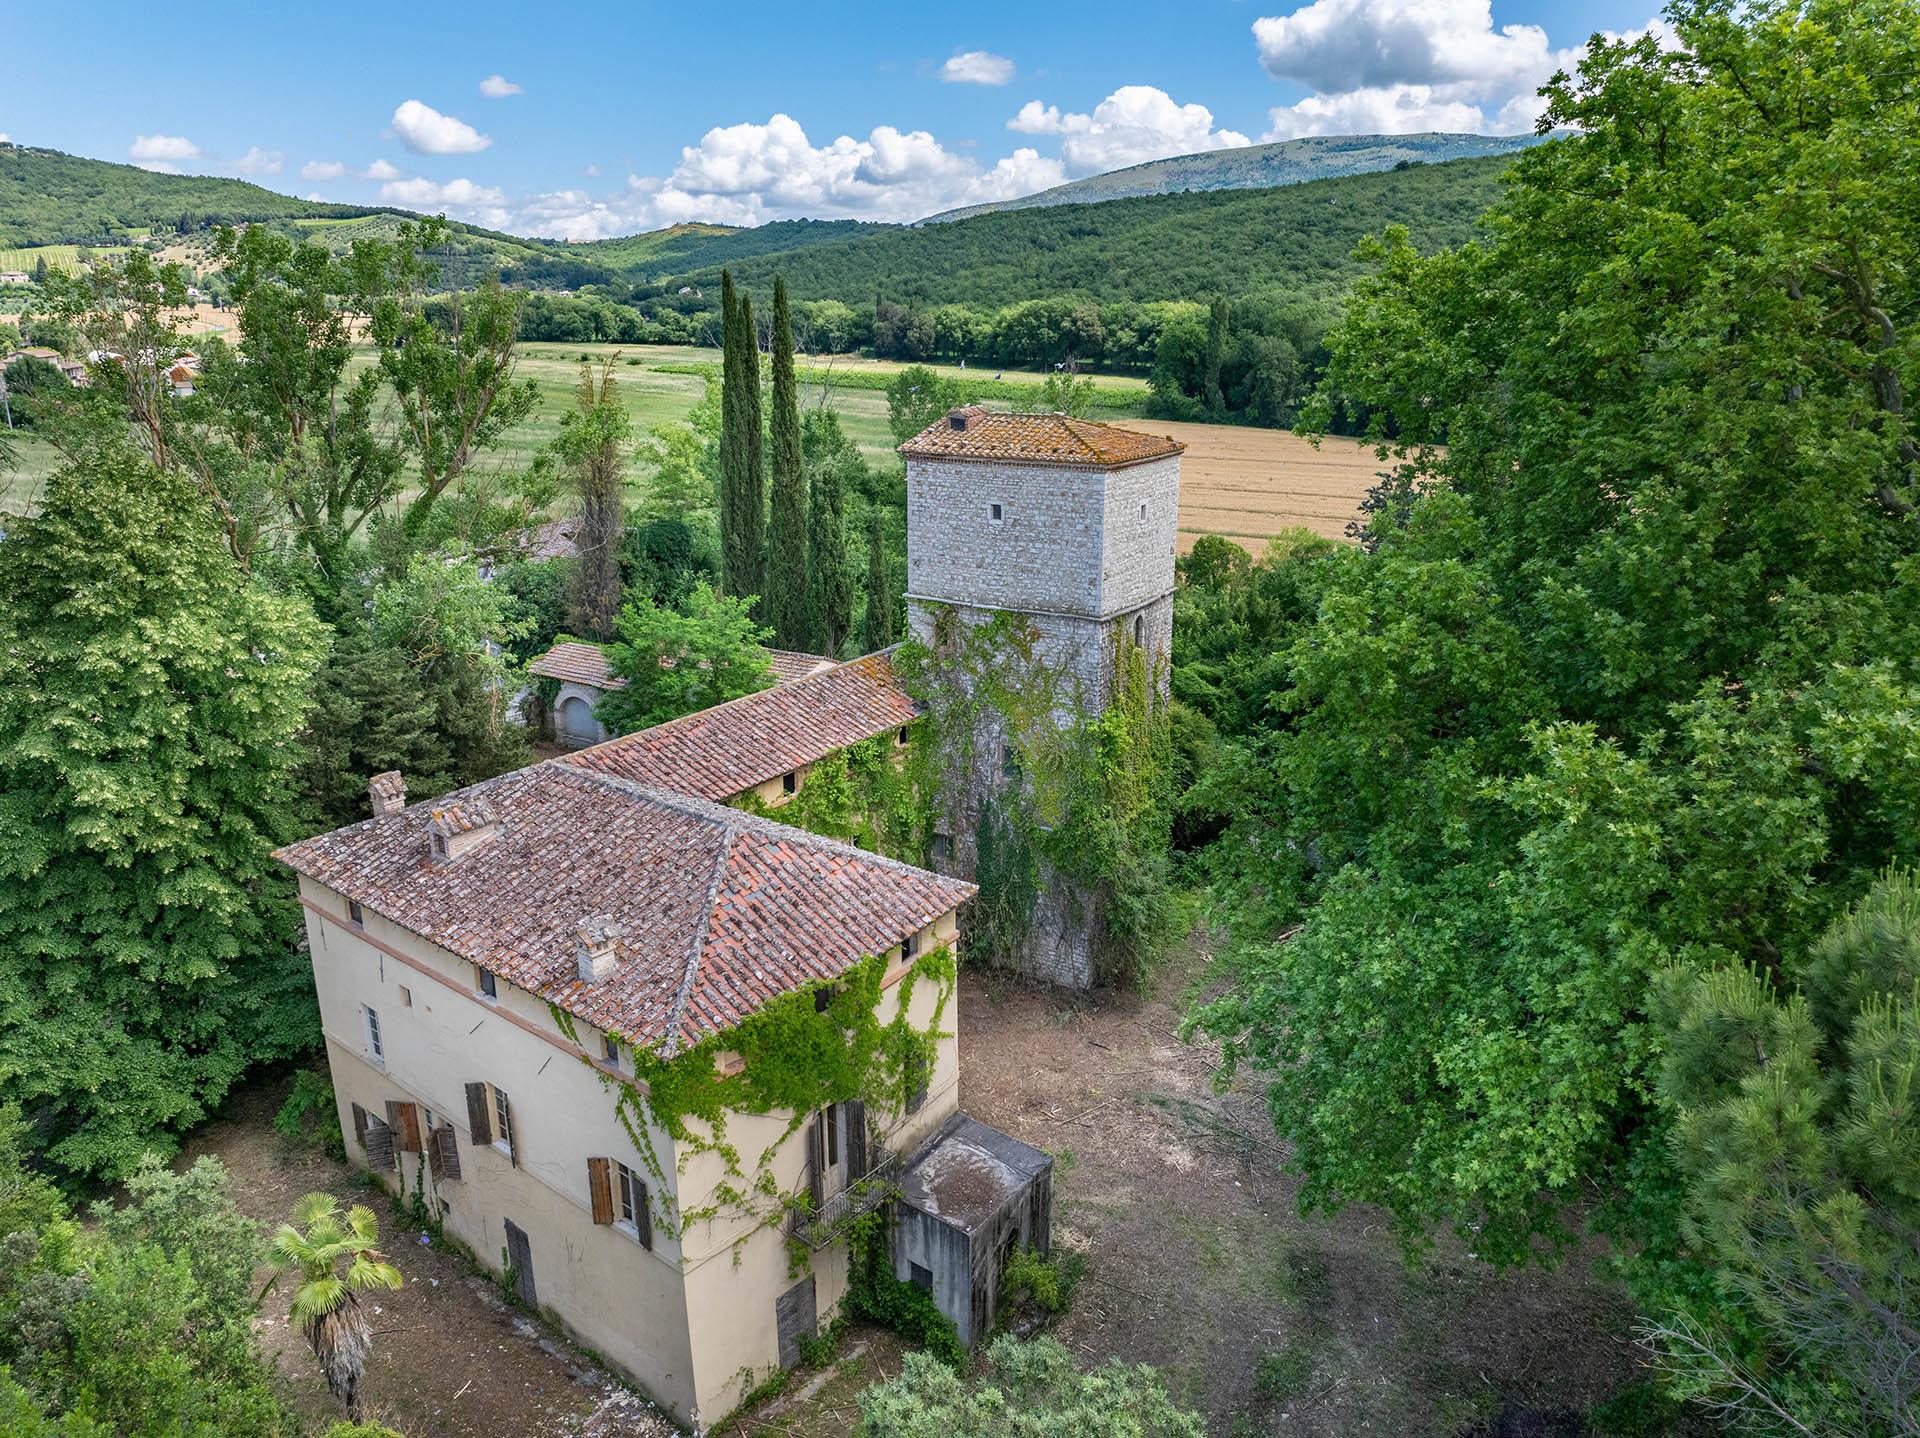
{"x": 359, "y": 1125}
{"x": 600, "y": 1188}
{"x": 379, "y": 1145}
{"x": 479, "y": 1115}
{"x": 404, "y": 1120}
{"x": 444, "y": 1149}
{"x": 513, "y": 1135}
{"x": 856, "y": 1140}
{"x": 817, "y": 1161}
{"x": 643, "y": 1213}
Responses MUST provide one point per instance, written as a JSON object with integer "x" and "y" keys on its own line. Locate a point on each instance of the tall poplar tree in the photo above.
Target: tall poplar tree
{"x": 784, "y": 607}
{"x": 593, "y": 446}
{"x": 879, "y": 589}
{"x": 742, "y": 500}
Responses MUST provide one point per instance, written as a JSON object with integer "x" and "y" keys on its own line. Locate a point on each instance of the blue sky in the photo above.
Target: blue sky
{"x": 585, "y": 120}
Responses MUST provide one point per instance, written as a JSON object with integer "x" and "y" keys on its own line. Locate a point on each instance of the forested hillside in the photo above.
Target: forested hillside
{"x": 660, "y": 255}
{"x": 50, "y": 198}
{"x": 1299, "y": 238}
{"x": 1259, "y": 167}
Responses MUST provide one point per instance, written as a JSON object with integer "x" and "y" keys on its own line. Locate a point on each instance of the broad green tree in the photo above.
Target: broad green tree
{"x": 1629, "y": 679}
{"x": 148, "y": 719}
{"x": 916, "y": 397}
{"x": 332, "y": 1258}
{"x": 677, "y": 660}
{"x": 784, "y": 605}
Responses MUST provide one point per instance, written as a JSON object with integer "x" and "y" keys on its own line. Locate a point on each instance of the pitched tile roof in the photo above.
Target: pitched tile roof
{"x": 1054, "y": 439}
{"x": 576, "y": 663}
{"x": 718, "y": 911}
{"x": 718, "y": 752}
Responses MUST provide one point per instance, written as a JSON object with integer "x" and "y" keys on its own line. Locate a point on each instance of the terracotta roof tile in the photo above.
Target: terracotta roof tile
{"x": 1053, "y": 439}
{"x": 717, "y": 911}
{"x": 574, "y": 663}
{"x": 721, "y": 751}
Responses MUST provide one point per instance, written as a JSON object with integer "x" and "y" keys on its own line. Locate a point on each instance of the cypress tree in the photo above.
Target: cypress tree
{"x": 785, "y": 607}
{"x": 829, "y": 586}
{"x": 742, "y": 502}
{"x": 879, "y": 589}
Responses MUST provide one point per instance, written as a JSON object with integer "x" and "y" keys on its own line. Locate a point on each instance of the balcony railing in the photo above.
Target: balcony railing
{"x": 863, "y": 1195}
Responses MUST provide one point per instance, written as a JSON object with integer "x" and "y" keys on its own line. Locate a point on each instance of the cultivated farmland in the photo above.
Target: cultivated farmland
{"x": 1249, "y": 484}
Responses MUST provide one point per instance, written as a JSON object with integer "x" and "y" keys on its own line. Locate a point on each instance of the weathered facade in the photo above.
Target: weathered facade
{"x": 1070, "y": 526}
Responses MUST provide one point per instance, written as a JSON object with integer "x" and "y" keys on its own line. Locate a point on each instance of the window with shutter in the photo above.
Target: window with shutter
{"x": 503, "y": 1137}
{"x": 856, "y": 1119}
{"x": 379, "y": 1145}
{"x": 600, "y": 1188}
{"x": 359, "y": 1125}
{"x": 635, "y": 1213}
{"x": 404, "y": 1120}
{"x": 446, "y": 1152}
{"x": 479, "y": 1113}
{"x": 817, "y": 1162}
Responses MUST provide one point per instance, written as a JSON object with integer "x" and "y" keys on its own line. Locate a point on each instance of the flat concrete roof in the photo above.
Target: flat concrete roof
{"x": 968, "y": 1172}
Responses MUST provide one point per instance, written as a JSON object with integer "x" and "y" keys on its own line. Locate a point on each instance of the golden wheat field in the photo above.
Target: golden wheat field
{"x": 1249, "y": 484}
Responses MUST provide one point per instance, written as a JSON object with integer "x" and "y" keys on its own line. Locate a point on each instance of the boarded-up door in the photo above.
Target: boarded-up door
{"x": 795, "y": 1315}
{"x": 520, "y": 1257}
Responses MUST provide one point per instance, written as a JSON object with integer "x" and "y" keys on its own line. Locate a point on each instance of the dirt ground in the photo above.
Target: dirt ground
{"x": 1249, "y": 484}
{"x": 450, "y": 1358}
{"x": 1197, "y": 1262}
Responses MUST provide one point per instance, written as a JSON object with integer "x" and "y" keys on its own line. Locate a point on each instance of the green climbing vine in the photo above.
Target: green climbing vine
{"x": 798, "y": 1054}
{"x": 870, "y": 794}
{"x": 1076, "y": 802}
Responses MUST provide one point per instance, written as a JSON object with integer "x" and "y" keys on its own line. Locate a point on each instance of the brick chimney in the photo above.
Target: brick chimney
{"x": 460, "y": 828}
{"x": 389, "y": 793}
{"x": 599, "y": 938}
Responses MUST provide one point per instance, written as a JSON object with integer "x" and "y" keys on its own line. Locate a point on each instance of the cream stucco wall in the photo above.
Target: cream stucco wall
{"x": 693, "y": 1320}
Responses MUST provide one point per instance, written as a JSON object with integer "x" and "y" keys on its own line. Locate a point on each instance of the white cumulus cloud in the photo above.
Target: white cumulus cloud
{"x": 1398, "y": 66}
{"x": 425, "y": 130}
{"x": 261, "y": 162}
{"x": 498, "y": 87}
{"x": 322, "y": 170}
{"x": 381, "y": 170}
{"x": 462, "y": 199}
{"x": 1134, "y": 124}
{"x": 750, "y": 173}
{"x": 977, "y": 67}
{"x": 162, "y": 153}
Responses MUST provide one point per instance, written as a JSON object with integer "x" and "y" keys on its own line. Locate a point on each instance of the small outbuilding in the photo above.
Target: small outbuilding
{"x": 967, "y": 1201}
{"x": 581, "y": 672}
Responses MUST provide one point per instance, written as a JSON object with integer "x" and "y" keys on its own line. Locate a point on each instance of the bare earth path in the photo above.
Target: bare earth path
{"x": 1197, "y": 1263}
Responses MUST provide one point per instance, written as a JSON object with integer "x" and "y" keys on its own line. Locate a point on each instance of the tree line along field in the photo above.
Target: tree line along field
{"x": 1245, "y": 483}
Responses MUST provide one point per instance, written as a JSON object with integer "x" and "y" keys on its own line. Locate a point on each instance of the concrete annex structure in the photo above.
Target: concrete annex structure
{"x": 488, "y": 963}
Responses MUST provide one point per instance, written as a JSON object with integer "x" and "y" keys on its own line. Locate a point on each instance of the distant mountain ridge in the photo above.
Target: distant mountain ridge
{"x": 1258, "y": 167}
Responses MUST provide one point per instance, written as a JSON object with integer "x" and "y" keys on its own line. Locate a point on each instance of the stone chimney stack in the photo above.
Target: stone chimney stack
{"x": 389, "y": 792}
{"x": 599, "y": 938}
{"x": 460, "y": 828}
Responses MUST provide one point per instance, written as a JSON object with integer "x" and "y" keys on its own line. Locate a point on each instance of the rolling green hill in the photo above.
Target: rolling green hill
{"x": 1296, "y": 238}
{"x": 1256, "y": 167}
{"x": 661, "y": 255}
{"x": 50, "y": 198}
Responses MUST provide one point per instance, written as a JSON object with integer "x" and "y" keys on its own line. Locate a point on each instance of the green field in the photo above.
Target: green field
{"x": 58, "y": 257}
{"x": 652, "y": 395}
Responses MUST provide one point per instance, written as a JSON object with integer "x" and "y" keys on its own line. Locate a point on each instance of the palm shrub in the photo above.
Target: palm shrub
{"x": 333, "y": 1258}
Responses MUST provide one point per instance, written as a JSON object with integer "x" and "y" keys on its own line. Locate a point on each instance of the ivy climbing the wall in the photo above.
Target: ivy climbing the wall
{"x": 870, "y": 795}
{"x": 1060, "y": 800}
{"x": 798, "y": 1054}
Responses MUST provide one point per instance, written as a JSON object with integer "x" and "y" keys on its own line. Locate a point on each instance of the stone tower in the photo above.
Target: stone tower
{"x": 1069, "y": 524}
